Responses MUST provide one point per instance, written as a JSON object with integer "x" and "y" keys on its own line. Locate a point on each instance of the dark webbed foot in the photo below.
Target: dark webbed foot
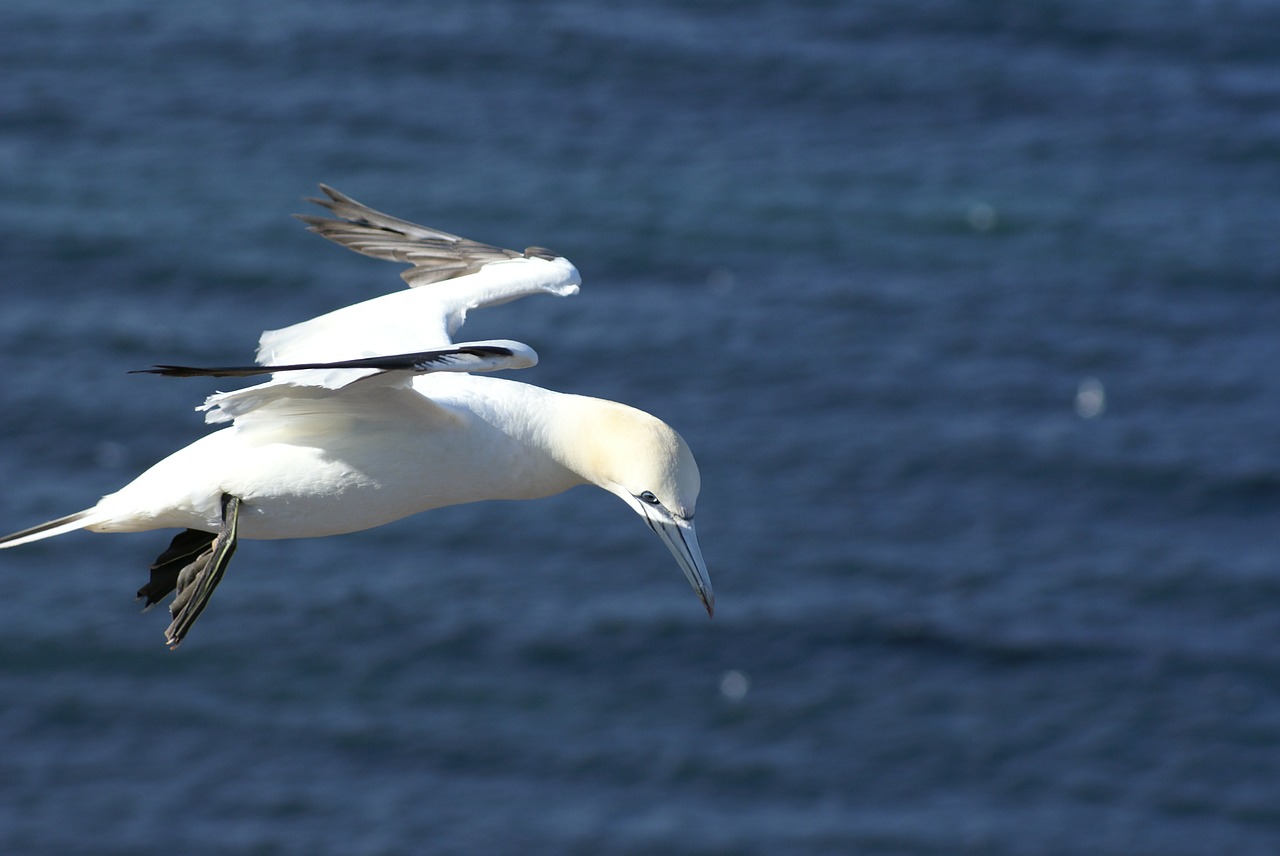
{"x": 194, "y": 567}
{"x": 185, "y": 549}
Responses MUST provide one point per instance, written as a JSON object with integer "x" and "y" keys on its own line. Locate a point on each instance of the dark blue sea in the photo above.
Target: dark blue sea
{"x": 969, "y": 310}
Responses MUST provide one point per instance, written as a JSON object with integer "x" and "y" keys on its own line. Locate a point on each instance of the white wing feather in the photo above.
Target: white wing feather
{"x": 449, "y": 277}
{"x": 415, "y": 319}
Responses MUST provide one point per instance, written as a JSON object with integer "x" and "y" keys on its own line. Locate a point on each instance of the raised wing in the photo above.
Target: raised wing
{"x": 435, "y": 255}
{"x": 463, "y": 275}
{"x": 376, "y": 347}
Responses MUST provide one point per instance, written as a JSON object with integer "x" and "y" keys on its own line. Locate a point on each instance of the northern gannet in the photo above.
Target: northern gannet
{"x": 373, "y": 413}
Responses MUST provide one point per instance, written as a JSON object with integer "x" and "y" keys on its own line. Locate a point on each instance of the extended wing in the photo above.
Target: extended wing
{"x": 462, "y": 275}
{"x": 435, "y": 255}
{"x": 484, "y": 356}
{"x": 322, "y": 388}
{"x": 389, "y": 339}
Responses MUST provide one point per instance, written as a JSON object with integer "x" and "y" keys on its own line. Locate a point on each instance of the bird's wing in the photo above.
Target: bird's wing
{"x": 462, "y": 275}
{"x": 435, "y": 255}
{"x": 485, "y": 356}
{"x": 302, "y": 388}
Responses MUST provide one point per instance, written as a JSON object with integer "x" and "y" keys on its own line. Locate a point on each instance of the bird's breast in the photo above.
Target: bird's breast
{"x": 373, "y": 474}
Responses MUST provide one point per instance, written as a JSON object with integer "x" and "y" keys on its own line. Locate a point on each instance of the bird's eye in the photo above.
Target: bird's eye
{"x": 649, "y": 497}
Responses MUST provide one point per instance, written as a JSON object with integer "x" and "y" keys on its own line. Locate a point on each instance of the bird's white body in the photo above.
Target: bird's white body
{"x": 363, "y": 461}
{"x": 373, "y": 414}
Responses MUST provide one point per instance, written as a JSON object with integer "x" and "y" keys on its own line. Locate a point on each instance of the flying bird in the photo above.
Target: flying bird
{"x": 373, "y": 413}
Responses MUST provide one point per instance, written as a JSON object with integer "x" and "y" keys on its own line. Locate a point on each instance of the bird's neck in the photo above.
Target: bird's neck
{"x": 549, "y": 432}
{"x": 587, "y": 435}
{"x": 576, "y": 438}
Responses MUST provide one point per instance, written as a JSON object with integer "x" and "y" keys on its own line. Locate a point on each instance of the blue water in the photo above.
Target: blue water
{"x": 969, "y": 311}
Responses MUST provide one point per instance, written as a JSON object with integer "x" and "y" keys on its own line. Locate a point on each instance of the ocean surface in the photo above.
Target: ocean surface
{"x": 969, "y": 310}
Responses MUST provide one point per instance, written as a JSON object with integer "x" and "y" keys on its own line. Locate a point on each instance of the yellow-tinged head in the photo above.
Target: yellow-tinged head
{"x": 642, "y": 460}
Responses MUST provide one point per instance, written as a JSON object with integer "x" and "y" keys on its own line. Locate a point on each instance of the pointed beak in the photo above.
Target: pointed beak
{"x": 682, "y": 541}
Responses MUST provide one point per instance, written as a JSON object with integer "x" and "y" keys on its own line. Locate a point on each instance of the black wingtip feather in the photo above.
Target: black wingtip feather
{"x": 196, "y": 371}
{"x": 420, "y": 361}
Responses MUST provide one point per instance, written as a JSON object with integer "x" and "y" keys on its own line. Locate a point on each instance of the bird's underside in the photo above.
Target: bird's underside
{"x": 195, "y": 560}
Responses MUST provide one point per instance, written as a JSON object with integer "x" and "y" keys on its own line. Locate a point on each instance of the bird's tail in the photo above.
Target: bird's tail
{"x": 62, "y": 525}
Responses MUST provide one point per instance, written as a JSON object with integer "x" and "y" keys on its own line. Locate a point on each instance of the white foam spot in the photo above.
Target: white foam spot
{"x": 1091, "y": 398}
{"x": 734, "y": 685}
{"x": 982, "y": 217}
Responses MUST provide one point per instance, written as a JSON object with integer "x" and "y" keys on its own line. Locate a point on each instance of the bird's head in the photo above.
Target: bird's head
{"x": 642, "y": 460}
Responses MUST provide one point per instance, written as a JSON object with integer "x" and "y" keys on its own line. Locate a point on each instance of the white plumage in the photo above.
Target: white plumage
{"x": 373, "y": 413}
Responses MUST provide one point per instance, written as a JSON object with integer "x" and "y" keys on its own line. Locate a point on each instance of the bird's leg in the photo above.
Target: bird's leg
{"x": 185, "y": 548}
{"x": 196, "y": 581}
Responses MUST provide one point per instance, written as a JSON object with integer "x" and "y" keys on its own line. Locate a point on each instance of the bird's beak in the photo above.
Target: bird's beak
{"x": 682, "y": 541}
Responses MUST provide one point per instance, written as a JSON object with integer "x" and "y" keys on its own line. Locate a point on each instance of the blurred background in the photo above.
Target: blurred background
{"x": 968, "y": 309}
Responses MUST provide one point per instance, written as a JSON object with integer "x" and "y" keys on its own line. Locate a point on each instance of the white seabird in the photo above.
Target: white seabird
{"x": 373, "y": 413}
